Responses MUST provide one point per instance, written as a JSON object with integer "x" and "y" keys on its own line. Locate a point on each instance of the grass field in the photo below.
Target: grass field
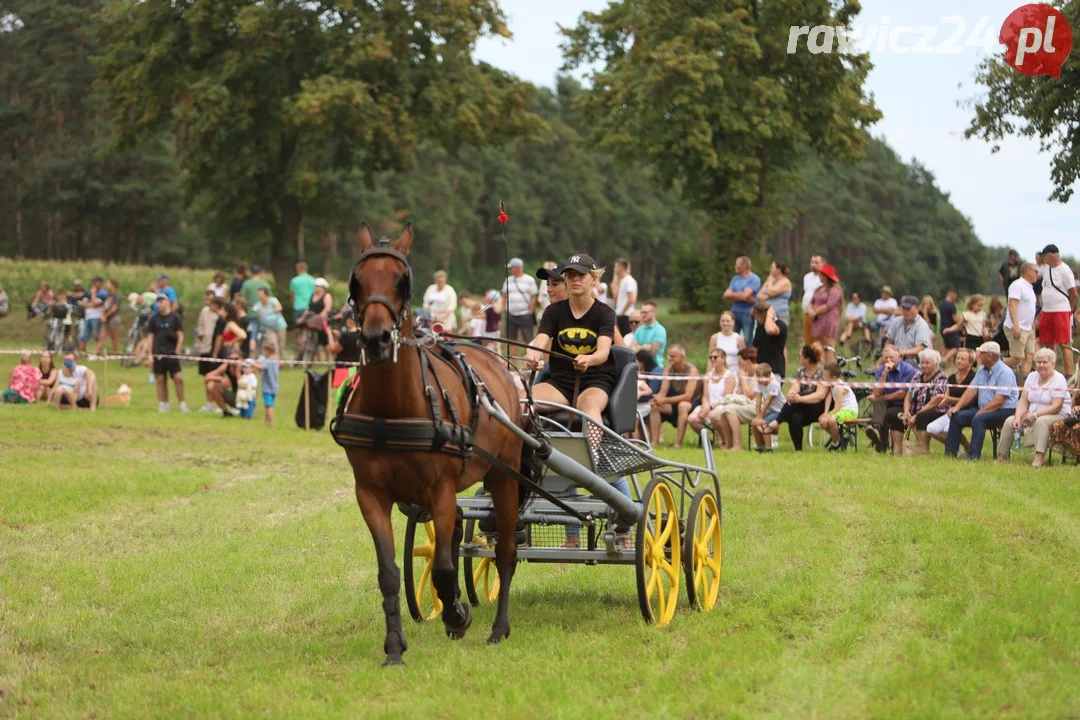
{"x": 176, "y": 566}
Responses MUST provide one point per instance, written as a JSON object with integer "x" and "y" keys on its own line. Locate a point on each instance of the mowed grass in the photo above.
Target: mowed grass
{"x": 176, "y": 566}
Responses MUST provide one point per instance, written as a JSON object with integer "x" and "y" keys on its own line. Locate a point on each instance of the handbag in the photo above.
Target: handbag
{"x": 912, "y": 447}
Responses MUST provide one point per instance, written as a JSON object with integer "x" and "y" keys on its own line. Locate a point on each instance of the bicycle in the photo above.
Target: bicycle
{"x": 862, "y": 394}
{"x": 135, "y": 336}
{"x": 55, "y": 329}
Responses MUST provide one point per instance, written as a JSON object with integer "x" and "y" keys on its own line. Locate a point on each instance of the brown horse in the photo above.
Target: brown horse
{"x": 391, "y": 386}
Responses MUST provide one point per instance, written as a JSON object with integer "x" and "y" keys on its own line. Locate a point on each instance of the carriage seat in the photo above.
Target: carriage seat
{"x": 620, "y": 416}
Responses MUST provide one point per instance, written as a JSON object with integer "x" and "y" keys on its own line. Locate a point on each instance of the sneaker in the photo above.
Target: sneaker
{"x": 572, "y": 543}
{"x": 163, "y": 407}
{"x": 235, "y": 412}
{"x": 874, "y": 434}
{"x": 833, "y": 447}
{"x": 208, "y": 407}
{"x": 184, "y": 407}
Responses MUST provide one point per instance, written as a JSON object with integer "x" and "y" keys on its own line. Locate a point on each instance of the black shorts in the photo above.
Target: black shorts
{"x": 924, "y": 418}
{"x": 229, "y": 396}
{"x": 623, "y": 323}
{"x": 973, "y": 341}
{"x": 206, "y": 366}
{"x": 673, "y": 418}
{"x": 83, "y": 402}
{"x": 565, "y": 383}
{"x": 166, "y": 366}
{"x": 952, "y": 340}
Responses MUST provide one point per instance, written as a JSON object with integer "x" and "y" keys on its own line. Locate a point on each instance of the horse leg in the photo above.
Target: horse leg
{"x": 376, "y": 511}
{"x": 456, "y": 616}
{"x": 504, "y": 492}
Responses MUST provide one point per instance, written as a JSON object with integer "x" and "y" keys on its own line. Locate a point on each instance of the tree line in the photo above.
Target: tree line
{"x": 209, "y": 132}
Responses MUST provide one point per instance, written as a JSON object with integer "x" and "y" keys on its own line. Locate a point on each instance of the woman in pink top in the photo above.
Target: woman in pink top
{"x": 825, "y": 311}
{"x": 23, "y": 385}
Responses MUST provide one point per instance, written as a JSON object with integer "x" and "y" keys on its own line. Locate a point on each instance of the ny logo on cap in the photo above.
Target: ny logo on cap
{"x": 575, "y": 259}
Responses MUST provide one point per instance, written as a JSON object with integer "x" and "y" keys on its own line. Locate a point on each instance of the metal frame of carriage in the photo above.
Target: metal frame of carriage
{"x": 675, "y": 516}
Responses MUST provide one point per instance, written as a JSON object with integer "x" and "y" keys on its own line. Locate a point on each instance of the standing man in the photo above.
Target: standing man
{"x": 742, "y": 293}
{"x": 1009, "y": 271}
{"x": 1020, "y": 320}
{"x": 1058, "y": 304}
{"x": 626, "y": 295}
{"x": 250, "y": 292}
{"x": 301, "y": 288}
{"x": 166, "y": 333}
{"x": 811, "y": 282}
{"x": 909, "y": 332}
{"x": 994, "y": 405}
{"x": 949, "y": 319}
{"x": 93, "y": 310}
{"x": 650, "y": 335}
{"x": 520, "y": 294}
{"x": 238, "y": 280}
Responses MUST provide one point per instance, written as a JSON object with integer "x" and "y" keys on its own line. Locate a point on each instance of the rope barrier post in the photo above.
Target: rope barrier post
{"x": 105, "y": 372}
{"x": 307, "y": 401}
{"x": 329, "y": 389}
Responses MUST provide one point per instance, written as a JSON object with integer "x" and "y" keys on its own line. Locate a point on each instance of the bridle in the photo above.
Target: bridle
{"x": 399, "y": 317}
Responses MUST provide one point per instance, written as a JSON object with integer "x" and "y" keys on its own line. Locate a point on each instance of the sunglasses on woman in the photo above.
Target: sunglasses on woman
{"x": 714, "y": 357}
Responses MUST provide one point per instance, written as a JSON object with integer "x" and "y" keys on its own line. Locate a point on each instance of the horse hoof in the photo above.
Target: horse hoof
{"x": 458, "y": 632}
{"x": 393, "y": 662}
{"x": 497, "y": 636}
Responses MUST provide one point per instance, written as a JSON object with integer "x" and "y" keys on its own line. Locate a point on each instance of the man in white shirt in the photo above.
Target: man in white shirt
{"x": 1020, "y": 319}
{"x": 520, "y": 293}
{"x": 635, "y": 323}
{"x": 810, "y": 283}
{"x": 625, "y": 296}
{"x": 1058, "y": 304}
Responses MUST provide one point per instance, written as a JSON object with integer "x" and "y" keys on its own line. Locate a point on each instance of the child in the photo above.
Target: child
{"x": 973, "y": 322}
{"x": 269, "y": 365}
{"x": 844, "y": 406}
{"x": 770, "y": 400}
{"x": 245, "y": 390}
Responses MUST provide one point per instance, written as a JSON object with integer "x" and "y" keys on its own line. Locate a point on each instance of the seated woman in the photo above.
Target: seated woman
{"x": 918, "y": 399}
{"x": 718, "y": 382}
{"x": 805, "y": 399}
{"x": 1044, "y": 401}
{"x": 48, "y": 376}
{"x": 222, "y": 383}
{"x": 25, "y": 381}
{"x": 933, "y": 420}
{"x": 739, "y": 408}
{"x": 579, "y": 333}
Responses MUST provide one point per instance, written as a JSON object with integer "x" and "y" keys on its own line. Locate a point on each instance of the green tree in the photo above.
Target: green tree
{"x": 709, "y": 95}
{"x": 266, "y": 97}
{"x": 1041, "y": 107}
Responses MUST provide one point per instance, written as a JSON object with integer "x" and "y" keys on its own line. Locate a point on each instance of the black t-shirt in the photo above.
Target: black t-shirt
{"x": 948, "y": 316}
{"x": 770, "y": 348}
{"x": 958, "y": 391}
{"x": 572, "y": 336}
{"x": 350, "y": 348}
{"x": 1009, "y": 272}
{"x": 219, "y": 329}
{"x": 164, "y": 329}
{"x": 234, "y": 286}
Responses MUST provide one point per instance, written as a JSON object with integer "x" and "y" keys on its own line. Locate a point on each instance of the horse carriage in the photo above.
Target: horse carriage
{"x": 674, "y": 514}
{"x": 427, "y": 418}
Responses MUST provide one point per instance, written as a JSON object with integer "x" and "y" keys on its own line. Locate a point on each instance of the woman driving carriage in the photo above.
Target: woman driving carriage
{"x": 579, "y": 332}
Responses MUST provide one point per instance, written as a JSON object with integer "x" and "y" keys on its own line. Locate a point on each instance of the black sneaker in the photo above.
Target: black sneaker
{"x": 874, "y": 434}
{"x": 833, "y": 447}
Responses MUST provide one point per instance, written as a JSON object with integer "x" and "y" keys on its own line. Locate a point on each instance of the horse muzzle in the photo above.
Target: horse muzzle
{"x": 378, "y": 346}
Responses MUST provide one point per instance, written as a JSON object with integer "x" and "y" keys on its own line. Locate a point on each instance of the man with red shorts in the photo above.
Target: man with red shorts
{"x": 1058, "y": 303}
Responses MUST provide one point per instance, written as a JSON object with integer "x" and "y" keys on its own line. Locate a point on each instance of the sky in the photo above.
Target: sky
{"x": 1003, "y": 194}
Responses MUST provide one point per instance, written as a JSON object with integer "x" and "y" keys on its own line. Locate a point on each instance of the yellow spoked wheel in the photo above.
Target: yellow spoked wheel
{"x": 420, "y": 595}
{"x": 656, "y": 549}
{"x": 702, "y": 559}
{"x": 481, "y": 575}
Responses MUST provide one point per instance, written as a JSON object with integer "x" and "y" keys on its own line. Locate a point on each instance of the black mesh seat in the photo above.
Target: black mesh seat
{"x": 621, "y": 413}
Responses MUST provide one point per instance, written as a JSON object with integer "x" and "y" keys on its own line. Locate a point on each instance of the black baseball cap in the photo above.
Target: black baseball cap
{"x": 909, "y": 301}
{"x": 581, "y": 263}
{"x": 1051, "y": 248}
{"x": 554, "y": 273}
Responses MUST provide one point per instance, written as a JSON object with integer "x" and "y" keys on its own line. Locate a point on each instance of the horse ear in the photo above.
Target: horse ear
{"x": 405, "y": 241}
{"x": 364, "y": 237}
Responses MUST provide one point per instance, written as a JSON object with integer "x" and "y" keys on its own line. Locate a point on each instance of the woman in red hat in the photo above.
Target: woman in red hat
{"x": 824, "y": 311}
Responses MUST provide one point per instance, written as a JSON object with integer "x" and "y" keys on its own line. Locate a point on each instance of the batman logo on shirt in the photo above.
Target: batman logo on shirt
{"x": 577, "y": 341}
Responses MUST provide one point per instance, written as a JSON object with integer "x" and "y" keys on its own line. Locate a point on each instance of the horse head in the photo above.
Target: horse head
{"x": 380, "y": 290}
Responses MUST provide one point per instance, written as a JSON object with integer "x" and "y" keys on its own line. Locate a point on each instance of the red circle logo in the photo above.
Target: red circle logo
{"x": 1037, "y": 39}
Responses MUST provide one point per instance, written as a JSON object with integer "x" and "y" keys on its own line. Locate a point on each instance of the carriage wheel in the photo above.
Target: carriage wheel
{"x": 702, "y": 558}
{"x": 481, "y": 581}
{"x": 656, "y": 552}
{"x": 420, "y": 595}
{"x": 484, "y": 577}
